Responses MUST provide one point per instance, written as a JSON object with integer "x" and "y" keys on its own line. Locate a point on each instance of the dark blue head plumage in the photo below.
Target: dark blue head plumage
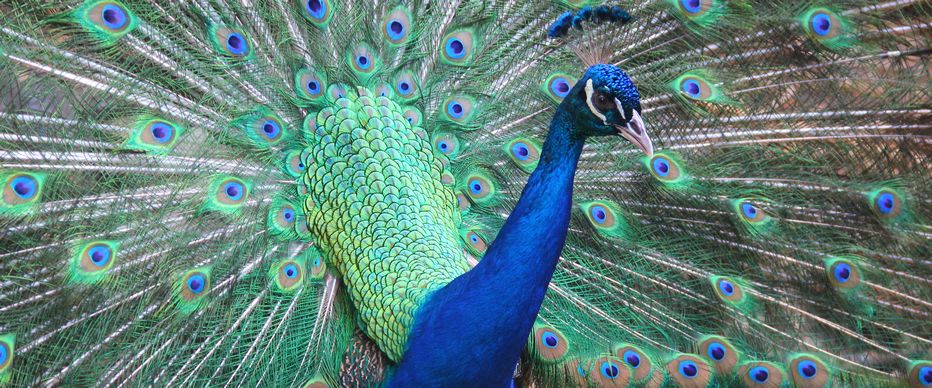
{"x": 606, "y": 102}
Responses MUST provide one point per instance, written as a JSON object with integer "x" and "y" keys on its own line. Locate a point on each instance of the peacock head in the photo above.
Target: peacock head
{"x": 606, "y": 102}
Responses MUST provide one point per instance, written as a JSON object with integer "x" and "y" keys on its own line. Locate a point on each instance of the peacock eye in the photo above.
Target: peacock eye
{"x": 759, "y": 374}
{"x": 603, "y": 102}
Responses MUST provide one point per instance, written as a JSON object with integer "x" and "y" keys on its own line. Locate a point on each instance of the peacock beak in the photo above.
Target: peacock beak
{"x": 635, "y": 131}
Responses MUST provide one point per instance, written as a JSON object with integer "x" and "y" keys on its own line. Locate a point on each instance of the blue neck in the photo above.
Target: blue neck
{"x": 473, "y": 330}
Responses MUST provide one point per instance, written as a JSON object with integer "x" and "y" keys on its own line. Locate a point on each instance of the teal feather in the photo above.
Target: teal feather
{"x": 163, "y": 173}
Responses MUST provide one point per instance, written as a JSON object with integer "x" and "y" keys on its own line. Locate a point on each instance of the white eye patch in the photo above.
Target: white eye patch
{"x": 590, "y": 91}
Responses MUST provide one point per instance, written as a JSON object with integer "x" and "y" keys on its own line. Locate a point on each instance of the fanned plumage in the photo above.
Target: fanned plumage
{"x": 268, "y": 192}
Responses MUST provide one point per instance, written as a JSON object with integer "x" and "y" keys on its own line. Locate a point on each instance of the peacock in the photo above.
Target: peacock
{"x": 425, "y": 193}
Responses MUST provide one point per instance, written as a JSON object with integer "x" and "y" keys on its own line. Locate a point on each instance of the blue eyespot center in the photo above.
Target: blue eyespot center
{"x": 455, "y": 109}
{"x": 716, "y": 351}
{"x": 291, "y": 271}
{"x": 661, "y": 167}
{"x": 316, "y": 9}
{"x": 520, "y": 151}
{"x": 632, "y": 358}
{"x": 288, "y": 214}
{"x": 317, "y": 261}
{"x": 475, "y": 186}
{"x": 759, "y": 374}
{"x": 113, "y": 16}
{"x": 99, "y": 254}
{"x": 234, "y": 190}
{"x": 886, "y": 203}
{"x": 692, "y": 6}
{"x": 749, "y": 210}
{"x": 925, "y": 375}
{"x": 162, "y": 132}
{"x": 363, "y": 61}
{"x": 404, "y": 87}
{"x": 688, "y": 369}
{"x": 455, "y": 48}
{"x": 395, "y": 30}
{"x": 821, "y": 23}
{"x": 609, "y": 370}
{"x": 550, "y": 339}
{"x": 560, "y": 87}
{"x": 842, "y": 272}
{"x": 196, "y": 283}
{"x": 236, "y": 44}
{"x": 473, "y": 238}
{"x": 25, "y": 187}
{"x": 313, "y": 87}
{"x": 691, "y": 88}
{"x": 598, "y": 214}
{"x": 271, "y": 129}
{"x": 4, "y": 353}
{"x": 807, "y": 369}
{"x": 726, "y": 287}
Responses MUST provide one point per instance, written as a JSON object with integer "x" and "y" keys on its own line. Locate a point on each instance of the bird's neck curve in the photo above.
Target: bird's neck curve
{"x": 484, "y": 316}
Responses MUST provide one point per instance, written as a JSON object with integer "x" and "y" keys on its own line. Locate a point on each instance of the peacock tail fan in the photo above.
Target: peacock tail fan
{"x": 264, "y": 192}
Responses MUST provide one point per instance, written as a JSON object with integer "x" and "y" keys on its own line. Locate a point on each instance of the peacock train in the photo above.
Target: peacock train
{"x": 475, "y": 193}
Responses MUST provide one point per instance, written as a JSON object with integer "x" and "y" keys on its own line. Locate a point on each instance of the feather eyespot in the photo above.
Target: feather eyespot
{"x": 761, "y": 373}
{"x": 479, "y": 188}
{"x": 289, "y": 275}
{"x": 234, "y": 191}
{"x": 610, "y": 371}
{"x": 723, "y": 355}
{"x": 396, "y": 26}
{"x": 412, "y": 116}
{"x": 310, "y": 85}
{"x": 599, "y": 214}
{"x": 114, "y": 16}
{"x": 446, "y": 143}
{"x": 317, "y": 267}
{"x": 920, "y": 374}
{"x": 457, "y": 47}
{"x": 521, "y": 151}
{"x": 231, "y": 42}
{"x": 605, "y": 217}
{"x": 362, "y": 60}
{"x": 750, "y": 212}
{"x": 728, "y": 289}
{"x": 294, "y": 164}
{"x": 843, "y": 273}
{"x": 886, "y": 203}
{"x": 688, "y": 370}
{"x": 194, "y": 285}
{"x": 318, "y": 12}
{"x": 109, "y": 19}
{"x": 459, "y": 109}
{"x": 99, "y": 255}
{"x": 558, "y": 86}
{"x": 696, "y": 88}
{"x": 282, "y": 218}
{"x": 6, "y": 352}
{"x": 640, "y": 364}
{"x": 476, "y": 243}
{"x": 665, "y": 169}
{"x": 20, "y": 191}
{"x": 550, "y": 344}
{"x": 24, "y": 187}
{"x": 524, "y": 152}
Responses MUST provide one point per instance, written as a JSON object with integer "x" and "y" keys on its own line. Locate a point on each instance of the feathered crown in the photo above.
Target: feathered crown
{"x": 588, "y": 32}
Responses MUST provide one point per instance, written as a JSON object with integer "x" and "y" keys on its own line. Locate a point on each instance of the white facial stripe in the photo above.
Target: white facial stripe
{"x": 589, "y": 92}
{"x": 621, "y": 109}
